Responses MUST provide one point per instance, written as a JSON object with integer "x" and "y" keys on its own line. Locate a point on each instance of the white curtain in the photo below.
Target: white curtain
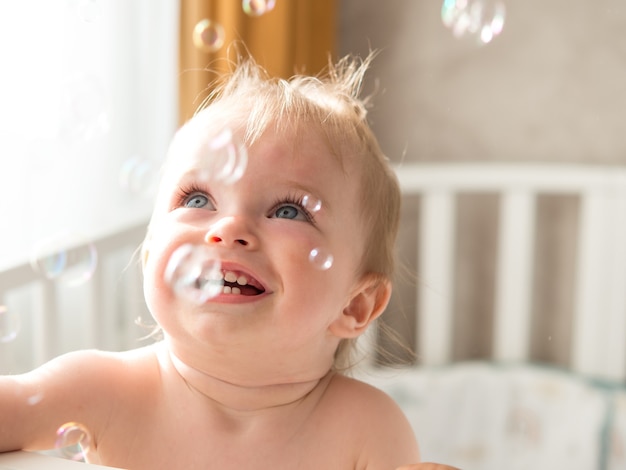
{"x": 88, "y": 104}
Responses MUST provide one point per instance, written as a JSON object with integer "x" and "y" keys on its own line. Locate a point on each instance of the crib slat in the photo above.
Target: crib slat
{"x": 5, "y": 352}
{"x": 514, "y": 276}
{"x": 599, "y": 335}
{"x": 615, "y": 364}
{"x": 95, "y": 328}
{"x": 435, "y": 277}
{"x": 45, "y": 330}
{"x": 588, "y": 346}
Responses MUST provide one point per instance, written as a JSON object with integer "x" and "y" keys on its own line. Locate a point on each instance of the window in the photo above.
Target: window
{"x": 89, "y": 104}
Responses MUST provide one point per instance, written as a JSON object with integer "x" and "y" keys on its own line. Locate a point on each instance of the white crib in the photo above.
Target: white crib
{"x": 506, "y": 409}
{"x": 502, "y": 411}
{"x": 45, "y": 317}
{"x": 598, "y": 345}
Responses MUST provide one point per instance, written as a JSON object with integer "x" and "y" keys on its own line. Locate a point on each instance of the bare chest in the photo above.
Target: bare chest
{"x": 180, "y": 438}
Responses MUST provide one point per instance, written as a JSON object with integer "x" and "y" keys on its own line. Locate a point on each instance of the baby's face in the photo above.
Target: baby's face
{"x": 291, "y": 200}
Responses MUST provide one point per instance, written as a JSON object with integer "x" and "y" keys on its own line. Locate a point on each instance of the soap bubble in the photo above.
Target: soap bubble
{"x": 195, "y": 273}
{"x": 228, "y": 157}
{"x": 67, "y": 256}
{"x": 257, "y": 7}
{"x": 73, "y": 441}
{"x": 83, "y": 108}
{"x": 321, "y": 259}
{"x": 311, "y": 203}
{"x": 139, "y": 176}
{"x": 9, "y": 325}
{"x": 208, "y": 36}
{"x": 479, "y": 19}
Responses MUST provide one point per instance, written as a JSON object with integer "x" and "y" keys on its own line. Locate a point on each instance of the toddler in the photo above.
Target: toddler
{"x": 261, "y": 271}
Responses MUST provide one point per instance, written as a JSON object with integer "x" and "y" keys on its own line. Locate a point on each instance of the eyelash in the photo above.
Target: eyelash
{"x": 185, "y": 192}
{"x": 291, "y": 199}
{"x": 294, "y": 200}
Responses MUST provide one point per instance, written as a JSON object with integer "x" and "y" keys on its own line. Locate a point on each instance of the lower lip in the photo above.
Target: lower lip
{"x": 236, "y": 298}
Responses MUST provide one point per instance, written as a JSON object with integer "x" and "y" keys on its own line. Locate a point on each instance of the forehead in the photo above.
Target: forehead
{"x": 304, "y": 150}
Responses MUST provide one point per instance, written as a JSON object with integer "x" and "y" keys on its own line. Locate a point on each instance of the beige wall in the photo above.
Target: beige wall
{"x": 551, "y": 87}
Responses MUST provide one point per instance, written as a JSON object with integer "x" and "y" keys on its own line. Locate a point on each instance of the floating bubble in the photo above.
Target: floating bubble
{"x": 66, "y": 256}
{"x": 321, "y": 259}
{"x": 73, "y": 441}
{"x": 228, "y": 157}
{"x": 311, "y": 203}
{"x": 479, "y": 19}
{"x": 257, "y": 7}
{"x": 139, "y": 176}
{"x": 208, "y": 36}
{"x": 83, "y": 108}
{"x": 194, "y": 273}
{"x": 9, "y": 325}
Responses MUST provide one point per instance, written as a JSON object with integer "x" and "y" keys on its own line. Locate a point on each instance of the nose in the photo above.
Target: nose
{"x": 231, "y": 231}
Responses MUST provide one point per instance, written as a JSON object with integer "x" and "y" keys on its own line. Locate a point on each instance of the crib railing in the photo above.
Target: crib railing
{"x": 51, "y": 316}
{"x": 598, "y": 342}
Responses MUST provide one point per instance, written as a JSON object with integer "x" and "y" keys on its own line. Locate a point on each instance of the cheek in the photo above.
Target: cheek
{"x": 158, "y": 294}
{"x": 317, "y": 274}
{"x": 341, "y": 245}
{"x": 166, "y": 236}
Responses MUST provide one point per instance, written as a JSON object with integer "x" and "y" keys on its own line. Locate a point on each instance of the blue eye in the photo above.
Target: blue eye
{"x": 196, "y": 201}
{"x": 289, "y": 212}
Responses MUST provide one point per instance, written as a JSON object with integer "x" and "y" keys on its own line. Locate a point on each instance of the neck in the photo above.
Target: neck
{"x": 246, "y": 398}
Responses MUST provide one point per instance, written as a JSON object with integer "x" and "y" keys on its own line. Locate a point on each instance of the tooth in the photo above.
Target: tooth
{"x": 242, "y": 280}
{"x": 226, "y": 290}
{"x": 216, "y": 276}
{"x": 236, "y": 290}
{"x": 230, "y": 276}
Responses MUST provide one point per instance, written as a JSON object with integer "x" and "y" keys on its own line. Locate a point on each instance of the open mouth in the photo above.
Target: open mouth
{"x": 232, "y": 282}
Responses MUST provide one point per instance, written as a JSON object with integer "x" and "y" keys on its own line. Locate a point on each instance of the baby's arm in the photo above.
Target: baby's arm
{"x": 71, "y": 388}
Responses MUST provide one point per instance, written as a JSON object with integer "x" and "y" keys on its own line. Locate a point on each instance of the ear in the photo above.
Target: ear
{"x": 365, "y": 305}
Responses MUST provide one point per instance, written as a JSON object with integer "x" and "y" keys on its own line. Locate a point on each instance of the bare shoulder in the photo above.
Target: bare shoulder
{"x": 373, "y": 402}
{"x": 81, "y": 386}
{"x": 93, "y": 371}
{"x": 378, "y": 422}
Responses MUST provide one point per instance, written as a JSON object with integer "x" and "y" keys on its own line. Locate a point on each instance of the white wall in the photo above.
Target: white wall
{"x": 52, "y": 178}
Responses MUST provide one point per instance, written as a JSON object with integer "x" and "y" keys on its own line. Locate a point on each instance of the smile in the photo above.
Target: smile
{"x": 234, "y": 283}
